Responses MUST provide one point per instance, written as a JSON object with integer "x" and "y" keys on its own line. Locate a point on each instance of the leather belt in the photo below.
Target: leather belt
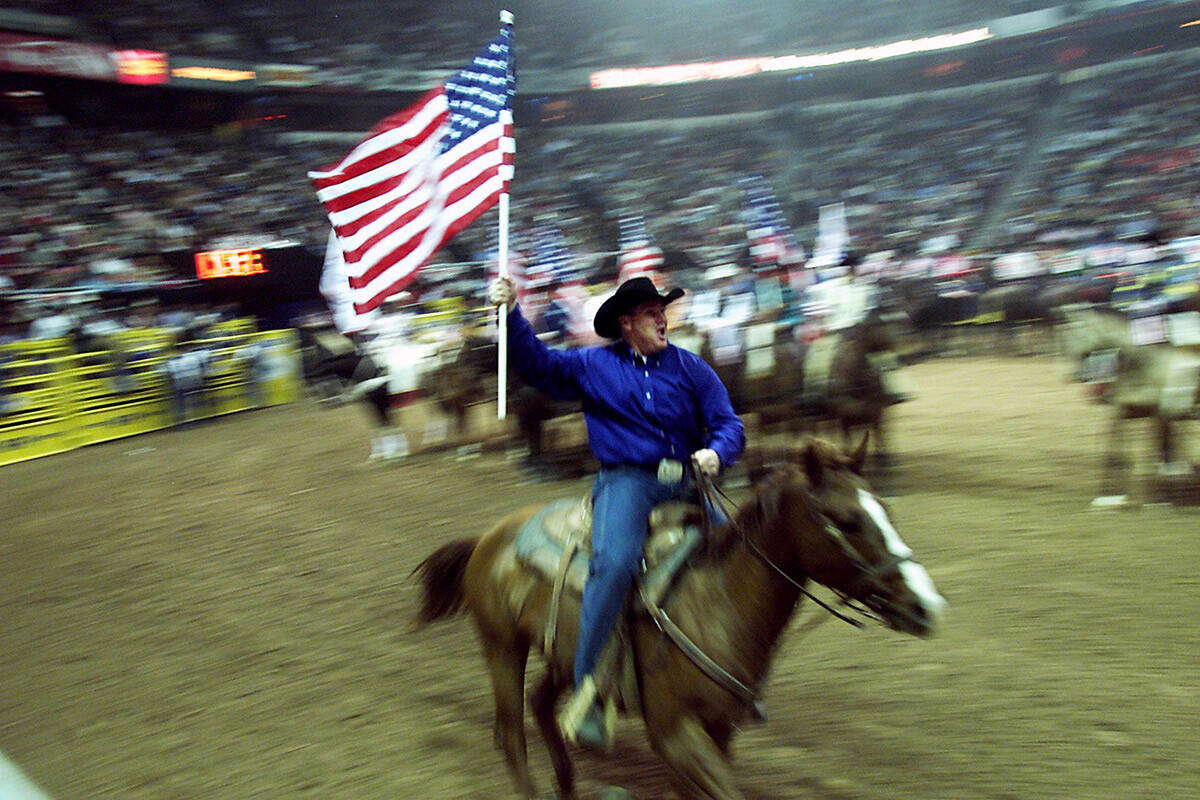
{"x": 668, "y": 470}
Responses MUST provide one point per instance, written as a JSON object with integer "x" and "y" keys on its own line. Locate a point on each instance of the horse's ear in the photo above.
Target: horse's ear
{"x": 859, "y": 459}
{"x": 813, "y": 464}
{"x": 754, "y": 462}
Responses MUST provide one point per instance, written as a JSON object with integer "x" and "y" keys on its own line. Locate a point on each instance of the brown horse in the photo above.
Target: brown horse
{"x": 841, "y": 380}
{"x": 857, "y": 392}
{"x": 816, "y": 521}
{"x": 464, "y": 377}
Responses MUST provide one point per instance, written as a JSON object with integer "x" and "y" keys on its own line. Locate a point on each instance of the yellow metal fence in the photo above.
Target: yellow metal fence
{"x": 53, "y": 399}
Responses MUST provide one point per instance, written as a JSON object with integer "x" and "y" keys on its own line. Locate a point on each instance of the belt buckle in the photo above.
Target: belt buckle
{"x": 670, "y": 471}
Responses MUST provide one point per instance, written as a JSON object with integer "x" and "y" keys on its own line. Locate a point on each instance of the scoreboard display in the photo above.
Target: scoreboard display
{"x": 263, "y": 280}
{"x": 230, "y": 263}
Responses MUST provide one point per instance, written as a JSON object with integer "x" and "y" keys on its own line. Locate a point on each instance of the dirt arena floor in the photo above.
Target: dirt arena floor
{"x": 223, "y": 612}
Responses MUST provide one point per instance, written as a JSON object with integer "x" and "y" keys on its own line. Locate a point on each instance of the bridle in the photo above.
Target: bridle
{"x": 712, "y": 497}
{"x": 869, "y": 576}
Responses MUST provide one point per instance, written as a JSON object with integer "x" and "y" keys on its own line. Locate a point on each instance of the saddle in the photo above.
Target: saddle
{"x": 556, "y": 542}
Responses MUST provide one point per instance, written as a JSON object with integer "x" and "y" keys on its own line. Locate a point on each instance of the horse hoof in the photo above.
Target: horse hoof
{"x": 1111, "y": 501}
{"x": 613, "y": 793}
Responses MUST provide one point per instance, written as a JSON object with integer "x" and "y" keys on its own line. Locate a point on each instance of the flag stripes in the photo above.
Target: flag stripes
{"x": 422, "y": 175}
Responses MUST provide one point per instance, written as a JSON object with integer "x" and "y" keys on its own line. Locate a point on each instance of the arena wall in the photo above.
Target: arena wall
{"x": 54, "y": 399}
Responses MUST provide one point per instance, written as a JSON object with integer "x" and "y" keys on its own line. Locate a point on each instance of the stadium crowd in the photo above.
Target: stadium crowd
{"x": 1125, "y": 160}
{"x": 916, "y": 174}
{"x": 1102, "y": 156}
{"x": 377, "y": 43}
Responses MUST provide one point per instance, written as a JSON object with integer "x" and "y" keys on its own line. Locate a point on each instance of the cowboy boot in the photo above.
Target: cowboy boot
{"x": 587, "y": 719}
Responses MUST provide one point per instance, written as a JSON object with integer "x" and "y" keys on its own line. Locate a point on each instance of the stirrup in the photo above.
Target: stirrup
{"x": 587, "y": 719}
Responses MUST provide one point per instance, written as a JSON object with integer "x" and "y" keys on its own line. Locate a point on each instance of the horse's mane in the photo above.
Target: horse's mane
{"x": 816, "y": 457}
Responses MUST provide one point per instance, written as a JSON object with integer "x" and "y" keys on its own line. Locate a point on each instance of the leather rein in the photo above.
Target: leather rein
{"x": 712, "y": 497}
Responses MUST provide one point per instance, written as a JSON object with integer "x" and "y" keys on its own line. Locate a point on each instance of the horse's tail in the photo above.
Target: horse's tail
{"x": 441, "y": 576}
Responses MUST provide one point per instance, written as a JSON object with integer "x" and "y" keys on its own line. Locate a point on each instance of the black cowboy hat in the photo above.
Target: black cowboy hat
{"x": 629, "y": 295}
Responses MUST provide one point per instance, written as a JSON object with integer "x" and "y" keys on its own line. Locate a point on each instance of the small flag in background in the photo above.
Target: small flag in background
{"x": 638, "y": 256}
{"x": 566, "y": 296}
{"x": 422, "y": 175}
{"x": 770, "y": 237}
{"x": 833, "y": 236}
{"x": 553, "y": 262}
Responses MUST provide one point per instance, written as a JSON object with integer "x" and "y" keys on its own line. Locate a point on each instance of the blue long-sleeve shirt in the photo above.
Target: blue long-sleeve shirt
{"x": 638, "y": 410}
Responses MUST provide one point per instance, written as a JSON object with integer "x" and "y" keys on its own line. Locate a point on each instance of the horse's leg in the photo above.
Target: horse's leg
{"x": 722, "y": 736}
{"x": 542, "y": 700}
{"x": 847, "y": 429}
{"x": 462, "y": 411}
{"x": 1114, "y": 480}
{"x": 699, "y": 764}
{"x": 1166, "y": 439}
{"x": 506, "y": 660}
{"x": 534, "y": 429}
{"x": 883, "y": 456}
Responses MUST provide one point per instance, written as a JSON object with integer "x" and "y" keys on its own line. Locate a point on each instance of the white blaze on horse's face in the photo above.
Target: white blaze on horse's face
{"x": 915, "y": 577}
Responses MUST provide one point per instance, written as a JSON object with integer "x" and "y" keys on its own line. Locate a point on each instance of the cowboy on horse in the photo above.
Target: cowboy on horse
{"x": 844, "y": 303}
{"x": 656, "y": 415}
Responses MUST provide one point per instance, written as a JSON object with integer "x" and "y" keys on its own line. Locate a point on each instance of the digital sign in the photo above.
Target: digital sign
{"x": 140, "y": 67}
{"x": 211, "y": 73}
{"x": 218, "y": 74}
{"x": 741, "y": 67}
{"x": 230, "y": 263}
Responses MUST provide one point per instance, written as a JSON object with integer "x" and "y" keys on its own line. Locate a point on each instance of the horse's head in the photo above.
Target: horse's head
{"x": 878, "y": 332}
{"x": 845, "y": 540}
{"x": 1091, "y": 338}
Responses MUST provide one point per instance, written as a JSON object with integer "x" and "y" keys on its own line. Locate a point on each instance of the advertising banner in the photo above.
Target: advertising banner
{"x": 43, "y": 56}
{"x": 287, "y": 75}
{"x": 211, "y": 73}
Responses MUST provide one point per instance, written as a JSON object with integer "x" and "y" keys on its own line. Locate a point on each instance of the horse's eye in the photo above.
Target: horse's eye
{"x": 849, "y": 526}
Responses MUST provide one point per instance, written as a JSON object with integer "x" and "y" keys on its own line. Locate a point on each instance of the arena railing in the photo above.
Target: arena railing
{"x": 54, "y": 399}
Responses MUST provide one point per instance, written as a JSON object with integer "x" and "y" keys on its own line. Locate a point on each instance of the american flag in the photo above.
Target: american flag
{"x": 638, "y": 254}
{"x": 422, "y": 175}
{"x": 771, "y": 239}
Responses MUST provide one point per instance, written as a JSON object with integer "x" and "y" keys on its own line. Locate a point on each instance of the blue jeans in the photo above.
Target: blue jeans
{"x": 622, "y": 498}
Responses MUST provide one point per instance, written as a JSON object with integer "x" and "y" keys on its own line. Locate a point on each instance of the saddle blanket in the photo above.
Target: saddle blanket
{"x": 566, "y": 525}
{"x": 556, "y": 542}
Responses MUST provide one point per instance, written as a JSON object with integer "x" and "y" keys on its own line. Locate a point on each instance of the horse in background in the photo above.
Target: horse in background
{"x": 339, "y": 371}
{"x": 547, "y": 458}
{"x": 1025, "y": 313}
{"x": 463, "y": 375}
{"x": 815, "y": 520}
{"x": 843, "y": 379}
{"x": 859, "y": 385}
{"x": 466, "y": 375}
{"x": 938, "y": 310}
{"x": 1155, "y": 381}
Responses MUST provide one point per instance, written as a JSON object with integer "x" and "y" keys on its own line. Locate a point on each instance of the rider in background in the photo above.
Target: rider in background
{"x": 844, "y": 299}
{"x": 722, "y": 311}
{"x": 655, "y": 415}
{"x": 845, "y": 296}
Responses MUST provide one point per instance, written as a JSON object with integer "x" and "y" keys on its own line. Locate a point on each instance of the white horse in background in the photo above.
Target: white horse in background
{"x": 1144, "y": 369}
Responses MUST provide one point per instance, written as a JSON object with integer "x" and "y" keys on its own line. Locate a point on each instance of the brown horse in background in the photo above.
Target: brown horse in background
{"x": 817, "y": 521}
{"x": 856, "y": 394}
{"x": 840, "y": 380}
{"x": 464, "y": 377}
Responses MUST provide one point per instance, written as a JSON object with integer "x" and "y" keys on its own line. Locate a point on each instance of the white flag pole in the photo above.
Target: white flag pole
{"x": 506, "y": 18}
{"x": 502, "y": 312}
